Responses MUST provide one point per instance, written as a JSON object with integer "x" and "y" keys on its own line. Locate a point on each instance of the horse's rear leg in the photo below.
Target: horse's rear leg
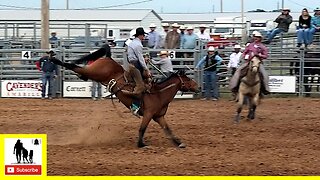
{"x": 239, "y": 109}
{"x": 163, "y": 123}
{"x": 144, "y": 124}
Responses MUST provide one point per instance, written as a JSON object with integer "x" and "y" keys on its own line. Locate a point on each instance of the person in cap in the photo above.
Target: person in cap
{"x": 137, "y": 68}
{"x": 173, "y": 38}
{"x": 189, "y": 42}
{"x": 234, "y": 59}
{"x": 163, "y": 33}
{"x": 315, "y": 24}
{"x": 284, "y": 20}
{"x": 254, "y": 50}
{"x": 49, "y": 71}
{"x": 202, "y": 34}
{"x": 304, "y": 28}
{"x": 53, "y": 36}
{"x": 164, "y": 63}
{"x": 53, "y": 40}
{"x": 153, "y": 38}
{"x": 211, "y": 61}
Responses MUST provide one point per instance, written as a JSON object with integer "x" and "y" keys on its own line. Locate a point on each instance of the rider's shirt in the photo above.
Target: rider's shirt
{"x": 253, "y": 49}
{"x": 135, "y": 52}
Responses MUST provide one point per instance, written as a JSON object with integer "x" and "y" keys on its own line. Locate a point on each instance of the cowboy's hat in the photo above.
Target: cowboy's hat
{"x": 211, "y": 48}
{"x": 163, "y": 53}
{"x": 175, "y": 25}
{"x": 140, "y": 31}
{"x": 152, "y": 25}
{"x": 237, "y": 46}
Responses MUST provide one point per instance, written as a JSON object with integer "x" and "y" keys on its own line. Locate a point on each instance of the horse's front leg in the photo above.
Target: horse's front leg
{"x": 239, "y": 109}
{"x": 164, "y": 125}
{"x": 253, "y": 106}
{"x": 144, "y": 124}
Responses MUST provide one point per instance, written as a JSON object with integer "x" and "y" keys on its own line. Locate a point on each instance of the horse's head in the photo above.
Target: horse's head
{"x": 187, "y": 84}
{"x": 254, "y": 65}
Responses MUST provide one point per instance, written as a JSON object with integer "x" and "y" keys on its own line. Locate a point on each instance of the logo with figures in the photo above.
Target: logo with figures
{"x": 23, "y": 156}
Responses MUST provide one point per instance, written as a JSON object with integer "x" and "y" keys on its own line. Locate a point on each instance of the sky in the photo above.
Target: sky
{"x": 168, "y": 6}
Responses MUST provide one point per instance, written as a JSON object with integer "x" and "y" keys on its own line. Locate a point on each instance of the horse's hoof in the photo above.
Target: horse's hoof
{"x": 182, "y": 145}
{"x": 141, "y": 145}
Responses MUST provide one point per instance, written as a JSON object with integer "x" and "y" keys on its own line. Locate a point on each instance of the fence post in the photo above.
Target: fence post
{"x": 301, "y": 74}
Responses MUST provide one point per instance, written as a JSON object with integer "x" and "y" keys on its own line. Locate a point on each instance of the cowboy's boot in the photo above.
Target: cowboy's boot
{"x": 139, "y": 88}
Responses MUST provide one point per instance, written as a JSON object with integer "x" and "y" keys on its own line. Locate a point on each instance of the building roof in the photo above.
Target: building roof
{"x": 210, "y": 17}
{"x": 79, "y": 15}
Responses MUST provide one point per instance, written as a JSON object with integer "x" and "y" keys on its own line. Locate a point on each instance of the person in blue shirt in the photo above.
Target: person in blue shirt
{"x": 315, "y": 24}
{"x": 188, "y": 41}
{"x": 210, "y": 61}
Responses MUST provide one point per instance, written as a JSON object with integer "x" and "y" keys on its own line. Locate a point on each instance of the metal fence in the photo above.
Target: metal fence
{"x": 283, "y": 61}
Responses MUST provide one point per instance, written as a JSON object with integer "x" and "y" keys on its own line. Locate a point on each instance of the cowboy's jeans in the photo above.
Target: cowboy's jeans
{"x": 47, "y": 77}
{"x": 210, "y": 79}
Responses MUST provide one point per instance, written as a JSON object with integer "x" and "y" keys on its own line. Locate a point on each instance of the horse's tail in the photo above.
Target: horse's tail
{"x": 104, "y": 50}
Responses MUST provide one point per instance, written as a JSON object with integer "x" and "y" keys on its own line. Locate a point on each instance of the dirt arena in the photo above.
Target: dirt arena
{"x": 88, "y": 137}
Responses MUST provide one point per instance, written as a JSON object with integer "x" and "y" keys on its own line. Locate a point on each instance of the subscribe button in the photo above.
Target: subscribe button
{"x": 23, "y": 170}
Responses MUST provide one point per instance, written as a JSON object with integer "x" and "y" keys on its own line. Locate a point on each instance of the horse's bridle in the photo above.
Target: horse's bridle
{"x": 183, "y": 88}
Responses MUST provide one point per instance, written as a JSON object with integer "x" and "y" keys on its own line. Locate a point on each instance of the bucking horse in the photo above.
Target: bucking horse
{"x": 154, "y": 104}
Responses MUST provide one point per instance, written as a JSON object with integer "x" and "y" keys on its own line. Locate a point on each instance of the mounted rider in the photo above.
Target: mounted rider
{"x": 137, "y": 68}
{"x": 254, "y": 50}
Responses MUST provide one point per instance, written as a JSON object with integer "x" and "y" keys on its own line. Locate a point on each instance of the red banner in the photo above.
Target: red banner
{"x": 23, "y": 170}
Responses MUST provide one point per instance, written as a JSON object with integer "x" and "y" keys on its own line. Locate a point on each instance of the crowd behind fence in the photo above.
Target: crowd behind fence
{"x": 282, "y": 61}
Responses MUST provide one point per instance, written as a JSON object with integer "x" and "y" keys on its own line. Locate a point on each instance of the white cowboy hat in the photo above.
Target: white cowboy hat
{"x": 175, "y": 25}
{"x": 182, "y": 27}
{"x": 202, "y": 25}
{"x": 189, "y": 28}
{"x": 211, "y": 48}
{"x": 316, "y": 9}
{"x": 163, "y": 53}
{"x": 256, "y": 34}
{"x": 286, "y": 9}
{"x": 152, "y": 25}
{"x": 165, "y": 25}
{"x": 237, "y": 46}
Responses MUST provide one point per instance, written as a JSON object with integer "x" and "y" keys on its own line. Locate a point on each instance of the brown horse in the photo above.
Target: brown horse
{"x": 154, "y": 104}
{"x": 249, "y": 87}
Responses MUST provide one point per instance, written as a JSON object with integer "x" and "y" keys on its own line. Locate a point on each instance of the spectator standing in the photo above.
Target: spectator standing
{"x": 304, "y": 28}
{"x": 211, "y": 61}
{"x": 163, "y": 34}
{"x": 284, "y": 20}
{"x": 49, "y": 72}
{"x": 202, "y": 34}
{"x": 153, "y": 39}
{"x": 53, "y": 40}
{"x": 234, "y": 59}
{"x": 173, "y": 38}
{"x": 96, "y": 87}
{"x": 189, "y": 42}
{"x": 315, "y": 24}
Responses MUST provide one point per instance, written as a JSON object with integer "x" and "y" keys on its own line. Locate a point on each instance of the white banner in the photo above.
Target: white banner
{"x": 81, "y": 89}
{"x": 283, "y": 84}
{"x": 77, "y": 89}
{"x": 21, "y": 88}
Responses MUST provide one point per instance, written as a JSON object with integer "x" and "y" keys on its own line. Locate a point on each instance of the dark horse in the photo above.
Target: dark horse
{"x": 154, "y": 104}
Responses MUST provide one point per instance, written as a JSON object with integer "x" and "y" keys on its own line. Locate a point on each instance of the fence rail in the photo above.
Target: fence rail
{"x": 282, "y": 61}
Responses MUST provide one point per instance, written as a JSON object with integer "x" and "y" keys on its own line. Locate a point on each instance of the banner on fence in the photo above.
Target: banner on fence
{"x": 21, "y": 88}
{"x": 80, "y": 89}
{"x": 282, "y": 84}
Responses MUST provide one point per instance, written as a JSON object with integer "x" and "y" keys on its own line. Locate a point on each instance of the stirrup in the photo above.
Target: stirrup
{"x": 135, "y": 112}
